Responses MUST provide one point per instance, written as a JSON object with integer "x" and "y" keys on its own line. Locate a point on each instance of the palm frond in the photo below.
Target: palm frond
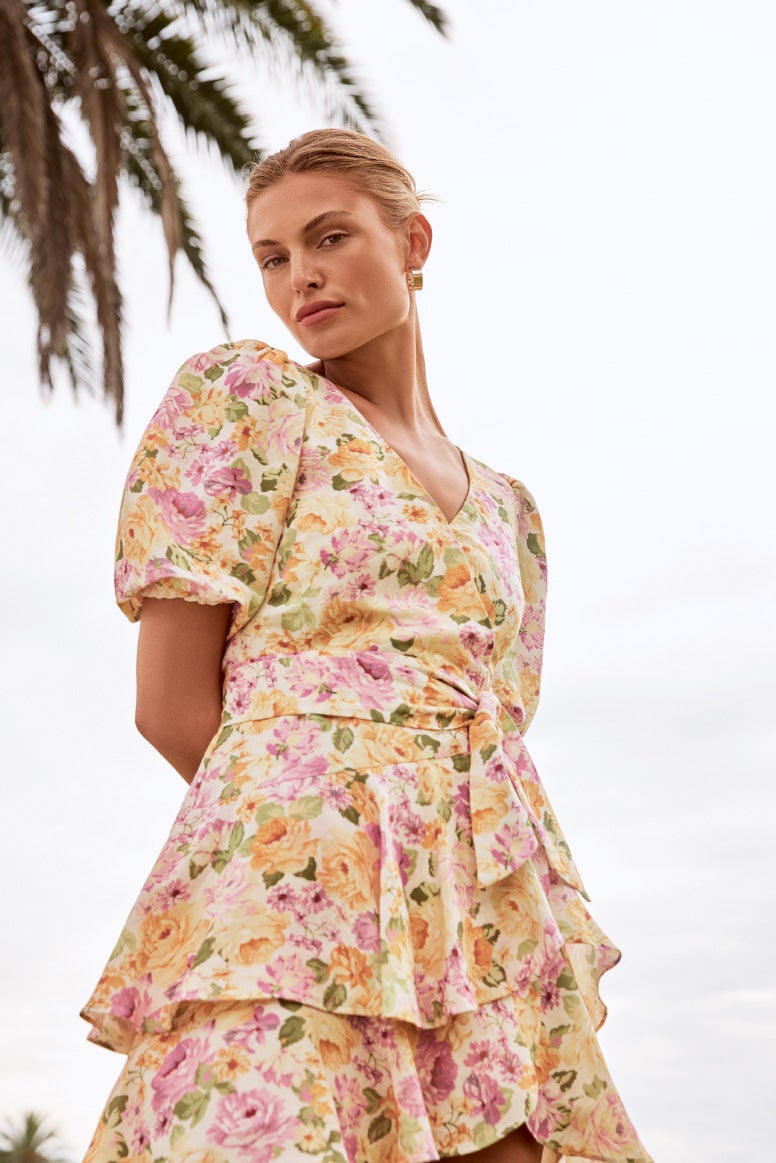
{"x": 433, "y": 14}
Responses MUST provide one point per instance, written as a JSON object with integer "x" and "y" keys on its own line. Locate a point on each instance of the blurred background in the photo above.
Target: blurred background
{"x": 599, "y": 322}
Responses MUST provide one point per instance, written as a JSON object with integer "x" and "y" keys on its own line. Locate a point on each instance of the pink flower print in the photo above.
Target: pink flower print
{"x": 480, "y": 1054}
{"x": 361, "y": 585}
{"x": 172, "y": 893}
{"x": 367, "y": 932}
{"x": 205, "y": 360}
{"x": 313, "y": 898}
{"x": 228, "y": 482}
{"x": 122, "y": 577}
{"x": 486, "y": 1096}
{"x": 314, "y": 473}
{"x": 253, "y": 381}
{"x": 436, "y": 1068}
{"x": 606, "y": 1128}
{"x": 208, "y": 458}
{"x": 176, "y": 400}
{"x": 177, "y": 1073}
{"x": 550, "y": 995}
{"x": 184, "y": 513}
{"x": 252, "y": 1034}
{"x": 368, "y": 679}
{"x": 410, "y": 1097}
{"x": 551, "y": 1113}
{"x": 127, "y": 1004}
{"x": 252, "y": 1125}
{"x": 282, "y": 429}
{"x": 350, "y": 552}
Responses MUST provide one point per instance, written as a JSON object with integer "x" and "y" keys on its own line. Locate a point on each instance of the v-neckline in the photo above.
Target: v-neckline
{"x": 423, "y": 491}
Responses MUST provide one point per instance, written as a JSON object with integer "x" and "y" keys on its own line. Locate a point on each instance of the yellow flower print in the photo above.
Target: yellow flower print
{"x": 351, "y": 872}
{"x": 457, "y": 594}
{"x": 336, "y": 1040}
{"x": 167, "y": 938}
{"x": 140, "y": 529}
{"x": 159, "y": 474}
{"x": 281, "y": 845}
{"x": 231, "y": 1061}
{"x": 354, "y": 459}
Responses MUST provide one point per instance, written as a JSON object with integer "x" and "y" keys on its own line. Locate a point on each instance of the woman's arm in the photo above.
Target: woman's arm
{"x": 179, "y": 654}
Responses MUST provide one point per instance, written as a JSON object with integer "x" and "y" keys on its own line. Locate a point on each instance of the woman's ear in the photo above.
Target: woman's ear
{"x": 418, "y": 238}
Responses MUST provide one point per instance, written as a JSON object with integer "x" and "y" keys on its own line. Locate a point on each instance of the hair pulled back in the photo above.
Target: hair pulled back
{"x": 368, "y": 165}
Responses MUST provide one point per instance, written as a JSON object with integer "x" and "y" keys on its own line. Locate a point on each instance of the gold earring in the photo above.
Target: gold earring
{"x": 415, "y": 280}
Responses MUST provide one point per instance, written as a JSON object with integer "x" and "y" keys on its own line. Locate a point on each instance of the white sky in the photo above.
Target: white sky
{"x": 599, "y": 321}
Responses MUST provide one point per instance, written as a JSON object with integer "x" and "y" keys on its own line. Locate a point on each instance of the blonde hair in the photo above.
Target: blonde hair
{"x": 369, "y": 165}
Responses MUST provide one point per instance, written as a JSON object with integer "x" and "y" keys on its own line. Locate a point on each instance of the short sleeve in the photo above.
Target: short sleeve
{"x": 207, "y": 493}
{"x": 526, "y": 661}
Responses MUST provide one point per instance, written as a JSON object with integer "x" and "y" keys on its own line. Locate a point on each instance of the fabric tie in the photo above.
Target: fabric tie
{"x": 502, "y": 831}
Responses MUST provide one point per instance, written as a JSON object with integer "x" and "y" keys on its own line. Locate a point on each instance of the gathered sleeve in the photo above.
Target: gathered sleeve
{"x": 206, "y": 497}
{"x": 523, "y": 666}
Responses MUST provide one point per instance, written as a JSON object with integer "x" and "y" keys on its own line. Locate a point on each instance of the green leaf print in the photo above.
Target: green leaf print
{"x": 309, "y": 871}
{"x": 567, "y": 980}
{"x": 269, "y": 481}
{"x": 483, "y": 1135}
{"x": 268, "y": 811}
{"x": 235, "y": 409}
{"x": 373, "y": 1099}
{"x": 298, "y": 619}
{"x": 291, "y": 1031}
{"x": 205, "y": 951}
{"x": 214, "y": 373}
{"x": 177, "y": 557}
{"x": 427, "y": 741}
{"x": 271, "y": 878}
{"x": 339, "y": 483}
{"x": 279, "y": 595}
{"x": 462, "y": 762}
{"x": 399, "y": 645}
{"x": 571, "y": 1004}
{"x": 254, "y": 503}
{"x": 189, "y": 381}
{"x": 565, "y": 1079}
{"x": 343, "y": 738}
{"x": 379, "y": 1128}
{"x": 306, "y": 807}
{"x": 415, "y": 572}
{"x": 444, "y": 809}
{"x": 351, "y": 815}
{"x": 534, "y": 545}
{"x": 400, "y": 715}
{"x": 526, "y": 947}
{"x": 192, "y": 1106}
{"x": 594, "y": 1088}
{"x": 115, "y": 1107}
{"x": 320, "y": 969}
{"x": 335, "y": 996}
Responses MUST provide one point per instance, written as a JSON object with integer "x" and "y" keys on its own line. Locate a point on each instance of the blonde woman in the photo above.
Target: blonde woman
{"x": 364, "y": 938}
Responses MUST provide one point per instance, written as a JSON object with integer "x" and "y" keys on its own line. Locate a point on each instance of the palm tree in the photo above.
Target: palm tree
{"x": 30, "y": 1142}
{"x": 112, "y": 65}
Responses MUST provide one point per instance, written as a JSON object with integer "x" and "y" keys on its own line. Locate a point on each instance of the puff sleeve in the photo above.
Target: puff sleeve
{"x": 207, "y": 493}
{"x": 524, "y": 664}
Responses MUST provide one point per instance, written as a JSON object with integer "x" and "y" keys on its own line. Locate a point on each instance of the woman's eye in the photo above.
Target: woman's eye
{"x": 333, "y": 238}
{"x": 270, "y": 263}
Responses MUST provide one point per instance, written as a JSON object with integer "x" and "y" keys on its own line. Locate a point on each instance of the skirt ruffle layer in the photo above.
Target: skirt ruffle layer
{"x": 253, "y": 1081}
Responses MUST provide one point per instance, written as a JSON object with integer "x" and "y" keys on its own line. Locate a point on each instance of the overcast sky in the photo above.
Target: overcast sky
{"x": 599, "y": 321}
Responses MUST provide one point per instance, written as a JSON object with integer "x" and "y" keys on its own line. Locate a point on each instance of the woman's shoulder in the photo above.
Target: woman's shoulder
{"x": 247, "y": 370}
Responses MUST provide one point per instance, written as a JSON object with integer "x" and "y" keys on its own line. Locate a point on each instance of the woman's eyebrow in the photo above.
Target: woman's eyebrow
{"x": 311, "y": 225}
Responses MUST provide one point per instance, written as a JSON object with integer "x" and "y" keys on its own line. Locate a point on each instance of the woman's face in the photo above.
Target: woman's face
{"x": 333, "y": 270}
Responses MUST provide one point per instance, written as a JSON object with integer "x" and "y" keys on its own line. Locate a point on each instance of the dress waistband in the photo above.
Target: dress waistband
{"x": 503, "y": 784}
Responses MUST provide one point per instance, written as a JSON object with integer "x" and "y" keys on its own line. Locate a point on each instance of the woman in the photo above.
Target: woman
{"x": 364, "y": 938}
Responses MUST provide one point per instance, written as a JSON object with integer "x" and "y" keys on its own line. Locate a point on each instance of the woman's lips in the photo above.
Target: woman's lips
{"x": 319, "y": 316}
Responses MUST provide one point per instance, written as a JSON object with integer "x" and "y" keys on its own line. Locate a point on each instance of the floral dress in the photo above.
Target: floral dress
{"x": 363, "y": 939}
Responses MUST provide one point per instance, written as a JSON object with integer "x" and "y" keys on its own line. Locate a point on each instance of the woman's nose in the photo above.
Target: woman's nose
{"x": 304, "y": 272}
